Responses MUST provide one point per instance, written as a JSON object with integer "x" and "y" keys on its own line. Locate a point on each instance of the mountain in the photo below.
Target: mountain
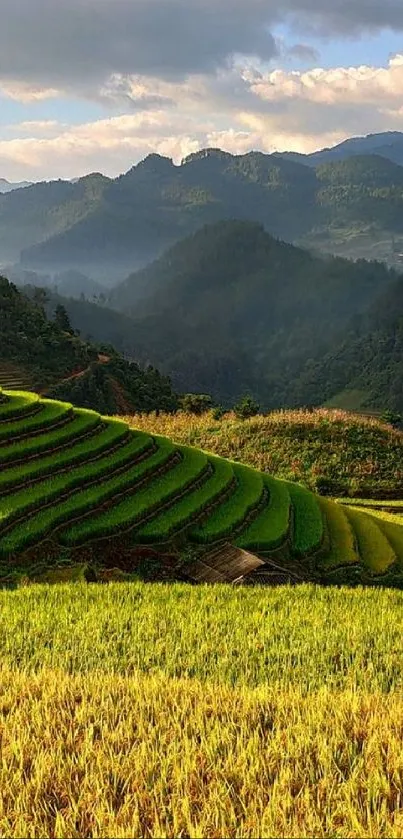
{"x": 70, "y": 284}
{"x": 6, "y": 186}
{"x": 365, "y": 363}
{"x": 140, "y": 214}
{"x": 231, "y": 309}
{"x": 60, "y": 363}
{"x": 388, "y": 144}
{"x": 33, "y": 214}
{"x": 106, "y": 229}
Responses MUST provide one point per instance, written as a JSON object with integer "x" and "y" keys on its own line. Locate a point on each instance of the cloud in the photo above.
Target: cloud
{"x": 303, "y": 52}
{"x": 79, "y": 45}
{"x": 239, "y": 108}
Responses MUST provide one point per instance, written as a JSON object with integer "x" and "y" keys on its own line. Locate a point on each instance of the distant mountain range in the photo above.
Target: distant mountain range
{"x": 347, "y": 201}
{"x": 6, "y": 186}
{"x": 388, "y": 144}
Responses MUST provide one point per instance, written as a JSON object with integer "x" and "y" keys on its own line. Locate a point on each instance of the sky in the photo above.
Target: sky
{"x": 96, "y": 85}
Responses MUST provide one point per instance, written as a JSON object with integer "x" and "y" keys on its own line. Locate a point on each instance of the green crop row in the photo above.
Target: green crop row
{"x": 126, "y": 513}
{"x": 50, "y": 414}
{"x": 392, "y": 526}
{"x": 342, "y": 549}
{"x": 374, "y": 547}
{"x": 230, "y": 515}
{"x": 83, "y": 501}
{"x": 180, "y": 514}
{"x": 372, "y": 503}
{"x": 82, "y": 422}
{"x": 17, "y": 404}
{"x": 107, "y": 437}
{"x": 270, "y": 528}
{"x": 308, "y": 520}
{"x": 29, "y": 498}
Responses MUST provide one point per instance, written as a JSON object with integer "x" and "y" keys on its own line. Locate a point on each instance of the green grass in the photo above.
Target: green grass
{"x": 82, "y": 422}
{"x": 51, "y": 413}
{"x": 51, "y": 488}
{"x": 16, "y": 405}
{"x": 125, "y": 514}
{"x": 110, "y": 435}
{"x": 374, "y": 547}
{"x": 43, "y": 522}
{"x": 181, "y": 514}
{"x": 306, "y": 636}
{"x": 340, "y": 533}
{"x": 308, "y": 520}
{"x": 270, "y": 528}
{"x": 230, "y": 515}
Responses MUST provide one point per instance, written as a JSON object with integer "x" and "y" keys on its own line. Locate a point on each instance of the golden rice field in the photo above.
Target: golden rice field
{"x": 178, "y": 711}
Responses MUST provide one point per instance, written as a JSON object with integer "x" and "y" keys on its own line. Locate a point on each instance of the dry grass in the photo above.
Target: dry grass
{"x": 173, "y": 711}
{"x": 358, "y": 455}
{"x": 151, "y": 756}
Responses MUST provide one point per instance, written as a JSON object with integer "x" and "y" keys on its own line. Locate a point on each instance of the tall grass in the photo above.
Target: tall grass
{"x": 305, "y": 636}
{"x": 153, "y": 710}
{"x": 149, "y": 756}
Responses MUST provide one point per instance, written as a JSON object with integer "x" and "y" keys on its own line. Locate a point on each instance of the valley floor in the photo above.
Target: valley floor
{"x": 153, "y": 710}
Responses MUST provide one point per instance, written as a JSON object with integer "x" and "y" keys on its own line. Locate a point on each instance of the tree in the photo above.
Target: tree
{"x": 196, "y": 403}
{"x": 246, "y": 407}
{"x": 392, "y": 418}
{"x": 62, "y": 319}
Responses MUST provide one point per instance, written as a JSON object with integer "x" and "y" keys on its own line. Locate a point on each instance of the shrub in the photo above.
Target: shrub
{"x": 196, "y": 403}
{"x": 246, "y": 408}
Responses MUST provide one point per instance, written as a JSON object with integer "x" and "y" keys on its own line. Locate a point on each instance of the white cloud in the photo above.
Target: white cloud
{"x": 238, "y": 108}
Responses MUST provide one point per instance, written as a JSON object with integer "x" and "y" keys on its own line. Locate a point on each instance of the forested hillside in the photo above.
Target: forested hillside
{"x": 231, "y": 309}
{"x": 50, "y": 355}
{"x": 367, "y": 358}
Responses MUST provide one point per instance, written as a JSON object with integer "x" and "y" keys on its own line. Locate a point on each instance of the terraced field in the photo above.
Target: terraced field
{"x": 12, "y": 377}
{"x": 74, "y": 486}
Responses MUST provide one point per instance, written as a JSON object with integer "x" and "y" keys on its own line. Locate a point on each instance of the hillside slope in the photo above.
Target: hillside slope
{"x": 328, "y": 451}
{"x": 46, "y": 353}
{"x": 72, "y": 480}
{"x": 366, "y": 358}
{"x": 230, "y": 309}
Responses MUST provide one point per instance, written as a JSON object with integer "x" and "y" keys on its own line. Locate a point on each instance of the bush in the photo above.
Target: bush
{"x": 392, "y": 418}
{"x": 196, "y": 403}
{"x": 246, "y": 407}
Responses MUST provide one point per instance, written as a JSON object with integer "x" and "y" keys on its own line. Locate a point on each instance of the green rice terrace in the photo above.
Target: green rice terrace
{"x": 85, "y": 496}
